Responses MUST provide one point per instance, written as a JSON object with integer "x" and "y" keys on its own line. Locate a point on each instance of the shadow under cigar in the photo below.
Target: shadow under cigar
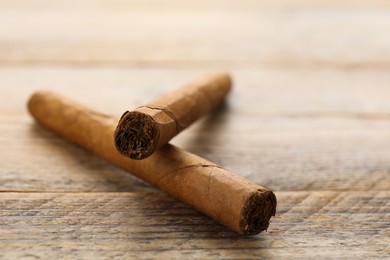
{"x": 204, "y": 137}
{"x": 168, "y": 218}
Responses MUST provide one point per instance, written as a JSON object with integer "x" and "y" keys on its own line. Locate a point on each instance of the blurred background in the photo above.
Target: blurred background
{"x": 195, "y": 33}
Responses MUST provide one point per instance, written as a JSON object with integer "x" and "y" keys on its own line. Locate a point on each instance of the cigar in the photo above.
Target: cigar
{"x": 140, "y": 132}
{"x": 240, "y": 204}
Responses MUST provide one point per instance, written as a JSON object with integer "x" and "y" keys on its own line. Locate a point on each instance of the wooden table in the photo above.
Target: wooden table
{"x": 309, "y": 117}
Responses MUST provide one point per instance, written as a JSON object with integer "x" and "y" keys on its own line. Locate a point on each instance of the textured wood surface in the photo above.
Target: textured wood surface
{"x": 309, "y": 117}
{"x": 88, "y": 225}
{"x": 279, "y": 128}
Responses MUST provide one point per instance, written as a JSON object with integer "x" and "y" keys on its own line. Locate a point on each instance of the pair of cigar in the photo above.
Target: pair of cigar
{"x": 139, "y": 145}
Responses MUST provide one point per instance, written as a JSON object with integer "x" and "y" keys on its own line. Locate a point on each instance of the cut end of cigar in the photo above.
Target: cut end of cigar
{"x": 257, "y": 212}
{"x": 136, "y": 135}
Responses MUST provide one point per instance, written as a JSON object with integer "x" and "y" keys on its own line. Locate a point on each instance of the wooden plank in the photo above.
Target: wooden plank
{"x": 288, "y": 129}
{"x": 152, "y": 225}
{"x": 309, "y": 114}
{"x": 288, "y": 92}
{"x": 34, "y": 159}
{"x": 212, "y": 34}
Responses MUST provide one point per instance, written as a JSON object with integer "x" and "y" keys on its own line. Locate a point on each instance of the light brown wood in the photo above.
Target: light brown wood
{"x": 211, "y": 33}
{"x": 294, "y": 129}
{"x": 104, "y": 225}
{"x": 344, "y": 156}
{"x": 259, "y": 91}
{"x": 310, "y": 104}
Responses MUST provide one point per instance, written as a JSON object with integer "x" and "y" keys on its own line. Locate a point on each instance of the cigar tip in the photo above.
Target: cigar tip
{"x": 257, "y": 212}
{"x": 225, "y": 76}
{"x": 34, "y": 99}
{"x": 136, "y": 135}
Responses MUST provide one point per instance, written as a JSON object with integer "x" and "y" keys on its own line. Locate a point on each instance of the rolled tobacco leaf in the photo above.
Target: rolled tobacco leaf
{"x": 242, "y": 205}
{"x": 140, "y": 132}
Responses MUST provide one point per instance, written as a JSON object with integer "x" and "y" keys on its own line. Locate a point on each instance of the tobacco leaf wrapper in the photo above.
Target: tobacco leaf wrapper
{"x": 242, "y": 205}
{"x": 140, "y": 132}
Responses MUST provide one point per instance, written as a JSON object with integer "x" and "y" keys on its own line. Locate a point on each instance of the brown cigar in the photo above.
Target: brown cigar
{"x": 232, "y": 200}
{"x": 140, "y": 132}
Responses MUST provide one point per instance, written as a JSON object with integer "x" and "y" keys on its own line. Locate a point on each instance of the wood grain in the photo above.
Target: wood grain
{"x": 303, "y": 159}
{"x": 288, "y": 92}
{"x": 289, "y": 129}
{"x": 309, "y": 116}
{"x": 104, "y": 225}
{"x": 135, "y": 33}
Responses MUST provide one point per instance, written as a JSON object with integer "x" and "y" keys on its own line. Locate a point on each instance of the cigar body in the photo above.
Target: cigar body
{"x": 230, "y": 199}
{"x": 140, "y": 132}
